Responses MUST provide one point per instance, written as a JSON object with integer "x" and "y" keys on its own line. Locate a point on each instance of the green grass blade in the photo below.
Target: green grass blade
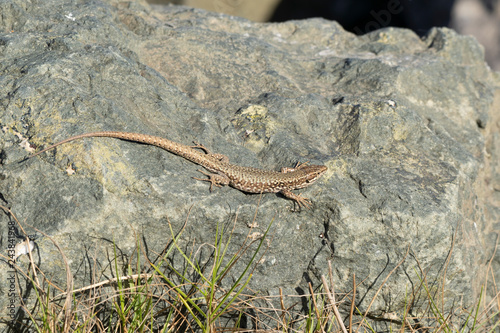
{"x": 235, "y": 284}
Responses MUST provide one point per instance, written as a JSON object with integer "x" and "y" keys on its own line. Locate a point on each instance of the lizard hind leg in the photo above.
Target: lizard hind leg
{"x": 220, "y": 157}
{"x": 296, "y": 167}
{"x": 198, "y": 145}
{"x": 214, "y": 179}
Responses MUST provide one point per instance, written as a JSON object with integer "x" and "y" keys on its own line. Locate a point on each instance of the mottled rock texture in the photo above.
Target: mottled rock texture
{"x": 408, "y": 128}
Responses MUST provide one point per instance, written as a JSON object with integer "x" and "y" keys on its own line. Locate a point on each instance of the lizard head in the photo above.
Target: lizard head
{"x": 312, "y": 173}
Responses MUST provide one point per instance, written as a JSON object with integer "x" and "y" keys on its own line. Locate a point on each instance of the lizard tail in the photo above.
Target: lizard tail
{"x": 171, "y": 146}
{"x": 64, "y": 141}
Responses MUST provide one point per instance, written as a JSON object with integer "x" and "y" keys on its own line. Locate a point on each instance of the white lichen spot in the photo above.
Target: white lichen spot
{"x": 253, "y": 225}
{"x": 255, "y": 235}
{"x": 23, "y": 248}
{"x": 70, "y": 17}
{"x": 24, "y": 142}
{"x": 70, "y": 170}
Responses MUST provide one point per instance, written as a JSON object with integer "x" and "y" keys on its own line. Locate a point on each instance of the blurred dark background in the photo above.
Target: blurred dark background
{"x": 363, "y": 16}
{"x": 480, "y": 18}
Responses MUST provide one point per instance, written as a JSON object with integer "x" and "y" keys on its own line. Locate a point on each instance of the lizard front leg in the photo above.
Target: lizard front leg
{"x": 300, "y": 200}
{"x": 214, "y": 179}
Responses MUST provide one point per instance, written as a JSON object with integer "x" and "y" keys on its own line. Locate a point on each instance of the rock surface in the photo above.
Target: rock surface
{"x": 405, "y": 125}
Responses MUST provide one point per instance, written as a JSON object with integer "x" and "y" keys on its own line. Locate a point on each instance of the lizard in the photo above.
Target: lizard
{"x": 245, "y": 179}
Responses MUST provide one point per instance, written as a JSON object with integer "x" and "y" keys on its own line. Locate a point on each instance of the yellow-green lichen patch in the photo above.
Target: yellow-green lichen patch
{"x": 255, "y": 126}
{"x": 111, "y": 168}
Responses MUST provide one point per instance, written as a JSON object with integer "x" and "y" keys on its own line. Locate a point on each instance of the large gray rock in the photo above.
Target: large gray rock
{"x": 406, "y": 127}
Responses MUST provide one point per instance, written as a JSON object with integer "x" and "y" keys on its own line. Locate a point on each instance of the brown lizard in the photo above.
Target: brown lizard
{"x": 246, "y": 179}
